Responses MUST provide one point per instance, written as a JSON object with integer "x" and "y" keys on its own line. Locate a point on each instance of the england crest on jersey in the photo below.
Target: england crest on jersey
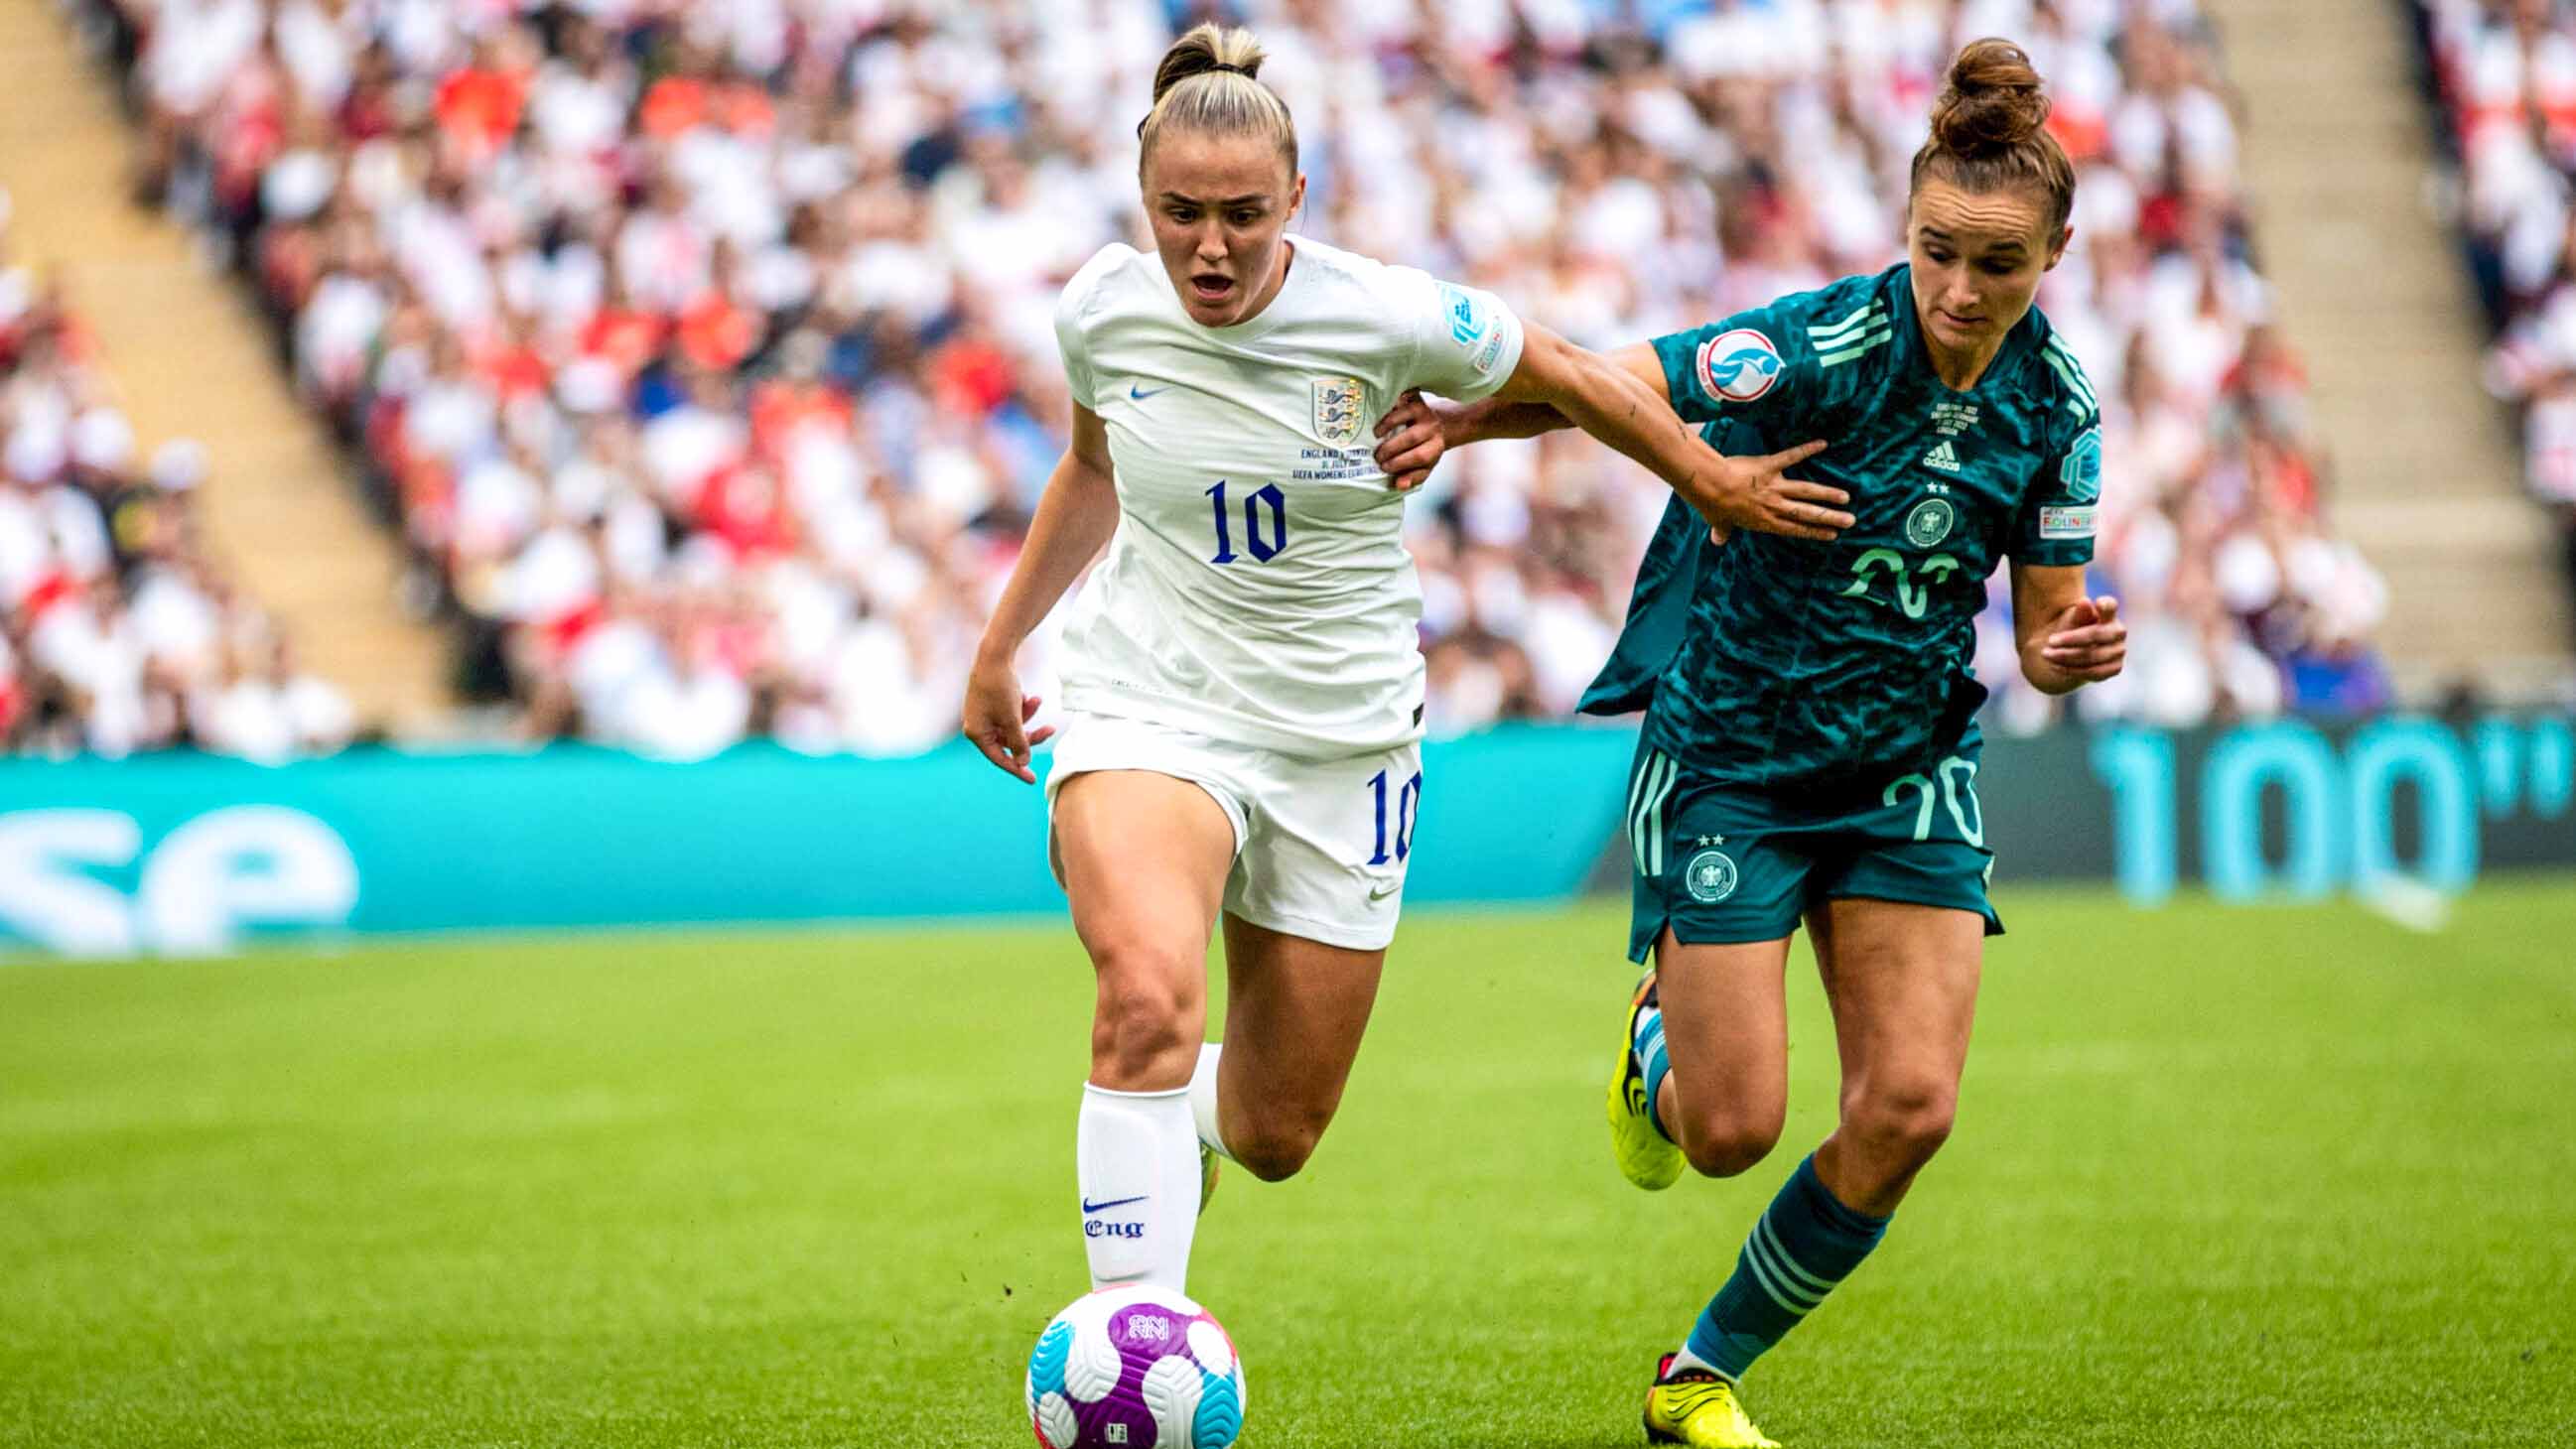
{"x": 1337, "y": 410}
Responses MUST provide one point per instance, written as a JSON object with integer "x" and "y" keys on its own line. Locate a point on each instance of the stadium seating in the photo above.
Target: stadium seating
{"x": 118, "y": 632}
{"x": 2505, "y": 75}
{"x": 704, "y": 351}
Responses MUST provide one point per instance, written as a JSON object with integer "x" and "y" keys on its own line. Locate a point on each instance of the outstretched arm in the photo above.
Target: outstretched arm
{"x": 1615, "y": 405}
{"x": 1416, "y": 432}
{"x": 1501, "y": 417}
{"x": 1619, "y": 398}
{"x": 1075, "y": 517}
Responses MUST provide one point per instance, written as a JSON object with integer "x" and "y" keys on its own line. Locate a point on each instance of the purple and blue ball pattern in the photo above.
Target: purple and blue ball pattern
{"x": 1135, "y": 1368}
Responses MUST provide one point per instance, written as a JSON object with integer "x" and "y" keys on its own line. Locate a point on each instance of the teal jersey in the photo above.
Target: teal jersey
{"x": 1778, "y": 662}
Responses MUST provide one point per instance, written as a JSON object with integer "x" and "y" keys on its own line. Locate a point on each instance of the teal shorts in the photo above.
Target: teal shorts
{"x": 1720, "y": 863}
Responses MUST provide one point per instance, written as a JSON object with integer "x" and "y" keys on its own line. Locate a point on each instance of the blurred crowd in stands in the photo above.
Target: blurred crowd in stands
{"x": 701, "y": 350}
{"x": 117, "y": 631}
{"x": 2505, "y": 73}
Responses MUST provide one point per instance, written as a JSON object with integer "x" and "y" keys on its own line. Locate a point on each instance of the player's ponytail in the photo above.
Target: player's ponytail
{"x": 1990, "y": 130}
{"x": 1208, "y": 83}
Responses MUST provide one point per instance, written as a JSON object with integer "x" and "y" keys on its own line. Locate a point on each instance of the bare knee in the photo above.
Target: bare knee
{"x": 1145, "y": 1023}
{"x": 1899, "y": 1124}
{"x": 1726, "y": 1146}
{"x": 1275, "y": 1145}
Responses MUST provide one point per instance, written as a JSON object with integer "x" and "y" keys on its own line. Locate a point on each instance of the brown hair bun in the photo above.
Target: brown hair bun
{"x": 1992, "y": 103}
{"x": 1990, "y": 131}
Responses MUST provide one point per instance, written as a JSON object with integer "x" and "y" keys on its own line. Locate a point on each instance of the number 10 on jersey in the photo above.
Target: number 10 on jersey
{"x": 1262, "y": 545}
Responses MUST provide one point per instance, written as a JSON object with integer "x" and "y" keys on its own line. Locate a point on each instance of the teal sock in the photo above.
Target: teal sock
{"x": 1654, "y": 1062}
{"x": 1801, "y": 1246}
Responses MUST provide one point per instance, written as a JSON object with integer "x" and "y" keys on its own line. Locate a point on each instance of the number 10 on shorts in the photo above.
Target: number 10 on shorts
{"x": 1408, "y": 796}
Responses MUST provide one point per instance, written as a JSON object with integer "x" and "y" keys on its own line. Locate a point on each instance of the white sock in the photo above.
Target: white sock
{"x": 1203, "y": 1101}
{"x": 1684, "y": 1359}
{"x": 1136, "y": 1159}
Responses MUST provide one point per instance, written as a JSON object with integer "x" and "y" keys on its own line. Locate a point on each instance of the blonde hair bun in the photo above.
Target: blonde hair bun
{"x": 1209, "y": 49}
{"x": 1208, "y": 83}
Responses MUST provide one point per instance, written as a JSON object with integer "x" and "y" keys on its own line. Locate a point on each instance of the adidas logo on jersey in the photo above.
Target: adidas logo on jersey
{"x": 1943, "y": 456}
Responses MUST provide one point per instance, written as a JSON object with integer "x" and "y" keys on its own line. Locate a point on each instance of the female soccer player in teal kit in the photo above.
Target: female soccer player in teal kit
{"x": 1810, "y": 749}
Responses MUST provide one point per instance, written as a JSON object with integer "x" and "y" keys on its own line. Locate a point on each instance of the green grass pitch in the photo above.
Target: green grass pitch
{"x": 2226, "y": 1177}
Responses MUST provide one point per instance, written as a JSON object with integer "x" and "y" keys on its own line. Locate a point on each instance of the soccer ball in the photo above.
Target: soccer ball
{"x": 1135, "y": 1368}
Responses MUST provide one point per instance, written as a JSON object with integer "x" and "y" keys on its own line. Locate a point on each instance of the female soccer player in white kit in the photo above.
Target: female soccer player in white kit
{"x": 1242, "y": 678}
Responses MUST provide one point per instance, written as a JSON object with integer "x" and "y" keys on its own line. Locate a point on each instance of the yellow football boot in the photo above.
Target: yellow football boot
{"x": 1646, "y": 1157}
{"x": 1699, "y": 1409}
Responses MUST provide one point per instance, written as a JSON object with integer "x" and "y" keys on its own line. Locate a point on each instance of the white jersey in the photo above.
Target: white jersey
{"x": 1258, "y": 589}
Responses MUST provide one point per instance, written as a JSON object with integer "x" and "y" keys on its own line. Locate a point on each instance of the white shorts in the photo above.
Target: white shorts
{"x": 1319, "y": 845}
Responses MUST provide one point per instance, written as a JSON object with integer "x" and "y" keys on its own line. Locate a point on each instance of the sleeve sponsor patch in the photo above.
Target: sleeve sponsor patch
{"x": 1738, "y": 366}
{"x": 2081, "y": 474}
{"x": 2067, "y": 521}
{"x": 1467, "y": 320}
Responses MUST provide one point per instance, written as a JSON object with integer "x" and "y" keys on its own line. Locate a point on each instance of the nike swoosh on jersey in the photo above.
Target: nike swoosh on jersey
{"x": 1380, "y": 893}
{"x": 1138, "y": 394}
{"x": 1089, "y": 1207}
